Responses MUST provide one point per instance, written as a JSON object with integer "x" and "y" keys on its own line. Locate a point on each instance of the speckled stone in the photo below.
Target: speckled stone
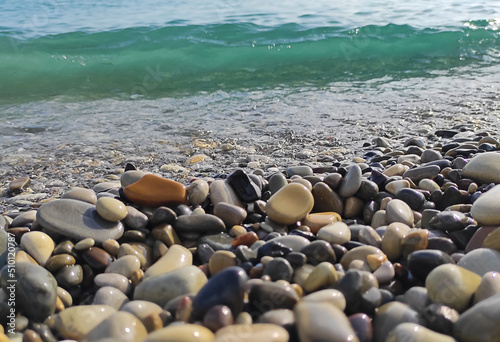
{"x": 337, "y": 232}
{"x": 34, "y": 284}
{"x": 484, "y": 167}
{"x": 197, "y": 191}
{"x": 77, "y": 220}
{"x": 176, "y": 257}
{"x": 111, "y": 209}
{"x": 252, "y": 333}
{"x": 39, "y": 245}
{"x": 452, "y": 285}
{"x": 322, "y": 322}
{"x": 76, "y": 322}
{"x": 81, "y": 194}
{"x": 162, "y": 288}
{"x": 416, "y": 333}
{"x": 121, "y": 325}
{"x": 399, "y": 211}
{"x": 480, "y": 322}
{"x": 155, "y": 191}
{"x": 290, "y": 204}
{"x": 485, "y": 208}
{"x": 481, "y": 261}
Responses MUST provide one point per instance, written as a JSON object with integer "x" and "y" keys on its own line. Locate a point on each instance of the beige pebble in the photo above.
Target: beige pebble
{"x": 392, "y": 239}
{"x": 84, "y": 244}
{"x": 181, "y": 332}
{"x": 359, "y": 253}
{"x": 122, "y": 326}
{"x": 221, "y": 260}
{"x": 290, "y": 204}
{"x": 330, "y": 296}
{"x": 252, "y": 333}
{"x": 111, "y": 209}
{"x": 111, "y": 246}
{"x": 39, "y": 245}
{"x": 416, "y": 333}
{"x": 324, "y": 274}
{"x": 337, "y": 232}
{"x": 176, "y": 257}
{"x": 77, "y": 321}
{"x": 81, "y": 194}
{"x": 125, "y": 265}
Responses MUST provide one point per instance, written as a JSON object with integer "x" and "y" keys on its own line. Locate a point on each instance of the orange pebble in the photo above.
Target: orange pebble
{"x": 246, "y": 239}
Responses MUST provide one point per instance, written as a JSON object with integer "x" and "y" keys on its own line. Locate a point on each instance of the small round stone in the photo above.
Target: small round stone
{"x": 221, "y": 260}
{"x": 337, "y": 232}
{"x": 111, "y": 209}
{"x": 399, "y": 211}
{"x": 39, "y": 245}
{"x": 84, "y": 244}
{"x": 197, "y": 191}
{"x": 290, "y": 204}
{"x": 81, "y": 194}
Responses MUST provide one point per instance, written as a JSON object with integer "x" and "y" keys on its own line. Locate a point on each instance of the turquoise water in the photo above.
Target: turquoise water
{"x": 88, "y": 49}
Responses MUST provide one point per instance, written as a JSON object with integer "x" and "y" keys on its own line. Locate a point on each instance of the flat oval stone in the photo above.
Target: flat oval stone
{"x": 25, "y": 219}
{"x": 111, "y": 296}
{"x": 279, "y": 269}
{"x": 111, "y": 209}
{"x": 34, "y": 284}
{"x": 164, "y": 287}
{"x": 201, "y": 224}
{"x": 421, "y": 172}
{"x": 135, "y": 219}
{"x": 121, "y": 325}
{"x": 359, "y": 253}
{"x": 415, "y": 199}
{"x": 97, "y": 258}
{"x": 70, "y": 324}
{"x": 484, "y": 167}
{"x": 481, "y": 261}
{"x": 225, "y": 288}
{"x": 294, "y": 242}
{"x": 480, "y": 322}
{"x": 252, "y": 333}
{"x": 181, "y": 332}
{"x": 330, "y": 296}
{"x": 229, "y": 213}
{"x": 268, "y": 296}
{"x": 485, "y": 208}
{"x": 351, "y": 182}
{"x": 77, "y": 220}
{"x": 416, "y": 333}
{"x": 155, "y": 191}
{"x": 39, "y": 245}
{"x": 322, "y": 322}
{"x": 395, "y": 186}
{"x": 389, "y": 316}
{"x": 301, "y": 170}
{"x": 197, "y": 191}
{"x": 116, "y": 280}
{"x": 70, "y": 276}
{"x": 399, "y": 211}
{"x": 143, "y": 310}
{"x": 176, "y": 257}
{"x": 244, "y": 187}
{"x": 290, "y": 204}
{"x": 56, "y": 262}
{"x": 221, "y": 191}
{"x": 421, "y": 263}
{"x": 84, "y": 244}
{"x": 81, "y": 194}
{"x": 452, "y": 285}
{"x": 126, "y": 266}
{"x": 337, "y": 232}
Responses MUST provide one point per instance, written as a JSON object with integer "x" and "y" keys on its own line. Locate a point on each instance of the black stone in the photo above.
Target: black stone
{"x": 319, "y": 251}
{"x": 367, "y": 190}
{"x": 450, "y": 221}
{"x": 296, "y": 259}
{"x": 442, "y": 163}
{"x": 244, "y": 253}
{"x": 440, "y": 318}
{"x": 414, "y": 198}
{"x": 443, "y": 244}
{"x": 369, "y": 209}
{"x": 421, "y": 263}
{"x": 162, "y": 215}
{"x": 204, "y": 252}
{"x": 446, "y": 133}
{"x": 182, "y": 210}
{"x": 269, "y": 296}
{"x": 244, "y": 187}
{"x": 279, "y": 269}
{"x": 339, "y": 250}
{"x": 414, "y": 150}
{"x": 225, "y": 288}
{"x": 353, "y": 244}
{"x": 129, "y": 167}
{"x": 462, "y": 237}
{"x": 200, "y": 224}
{"x": 378, "y": 178}
{"x": 222, "y": 241}
{"x": 273, "y": 249}
{"x": 308, "y": 235}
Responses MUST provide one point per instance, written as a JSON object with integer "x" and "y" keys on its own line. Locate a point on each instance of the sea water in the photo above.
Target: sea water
{"x": 85, "y": 70}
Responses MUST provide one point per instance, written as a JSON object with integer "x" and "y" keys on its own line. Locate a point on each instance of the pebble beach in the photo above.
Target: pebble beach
{"x": 376, "y": 238}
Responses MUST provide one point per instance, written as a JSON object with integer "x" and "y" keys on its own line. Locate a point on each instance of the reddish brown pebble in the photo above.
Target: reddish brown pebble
{"x": 246, "y": 239}
{"x": 97, "y": 258}
{"x": 218, "y": 317}
{"x": 31, "y": 336}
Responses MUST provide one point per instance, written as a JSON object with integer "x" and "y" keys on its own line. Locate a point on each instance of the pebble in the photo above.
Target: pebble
{"x": 84, "y": 244}
{"x": 121, "y": 325}
{"x": 416, "y": 333}
{"x": 77, "y": 321}
{"x": 489, "y": 286}
{"x": 317, "y": 221}
{"x": 351, "y": 182}
{"x": 319, "y": 251}
{"x": 299, "y": 171}
{"x": 19, "y": 185}
{"x": 229, "y": 213}
{"x": 484, "y": 167}
{"x": 34, "y": 284}
{"x": 330, "y": 296}
{"x": 111, "y": 296}
{"x": 161, "y": 288}
{"x": 337, "y": 232}
{"x": 276, "y": 182}
{"x": 389, "y": 316}
{"x": 421, "y": 172}
{"x": 323, "y": 275}
{"x": 81, "y": 194}
{"x": 39, "y": 245}
{"x": 252, "y": 333}
{"x": 395, "y": 186}
{"x": 115, "y": 280}
{"x": 421, "y": 263}
{"x": 268, "y": 296}
{"x": 144, "y": 311}
{"x": 199, "y": 224}
{"x": 290, "y": 204}
{"x": 181, "y": 332}
{"x": 126, "y": 266}
{"x": 244, "y": 187}
{"x": 77, "y": 220}
{"x": 480, "y": 322}
{"x": 359, "y": 253}
{"x": 279, "y": 269}
{"x": 197, "y": 191}
{"x": 69, "y": 276}
{"x": 399, "y": 211}
{"x": 493, "y": 240}
{"x": 111, "y": 209}
{"x": 481, "y": 261}
{"x": 25, "y": 219}
{"x": 221, "y": 191}
{"x": 135, "y": 219}
{"x": 155, "y": 191}
{"x": 176, "y": 257}
{"x": 393, "y": 238}
{"x": 218, "y": 317}
{"x": 322, "y": 322}
{"x": 220, "y": 260}
{"x": 485, "y": 208}
{"x": 326, "y": 200}
{"x": 452, "y": 285}
{"x": 293, "y": 242}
